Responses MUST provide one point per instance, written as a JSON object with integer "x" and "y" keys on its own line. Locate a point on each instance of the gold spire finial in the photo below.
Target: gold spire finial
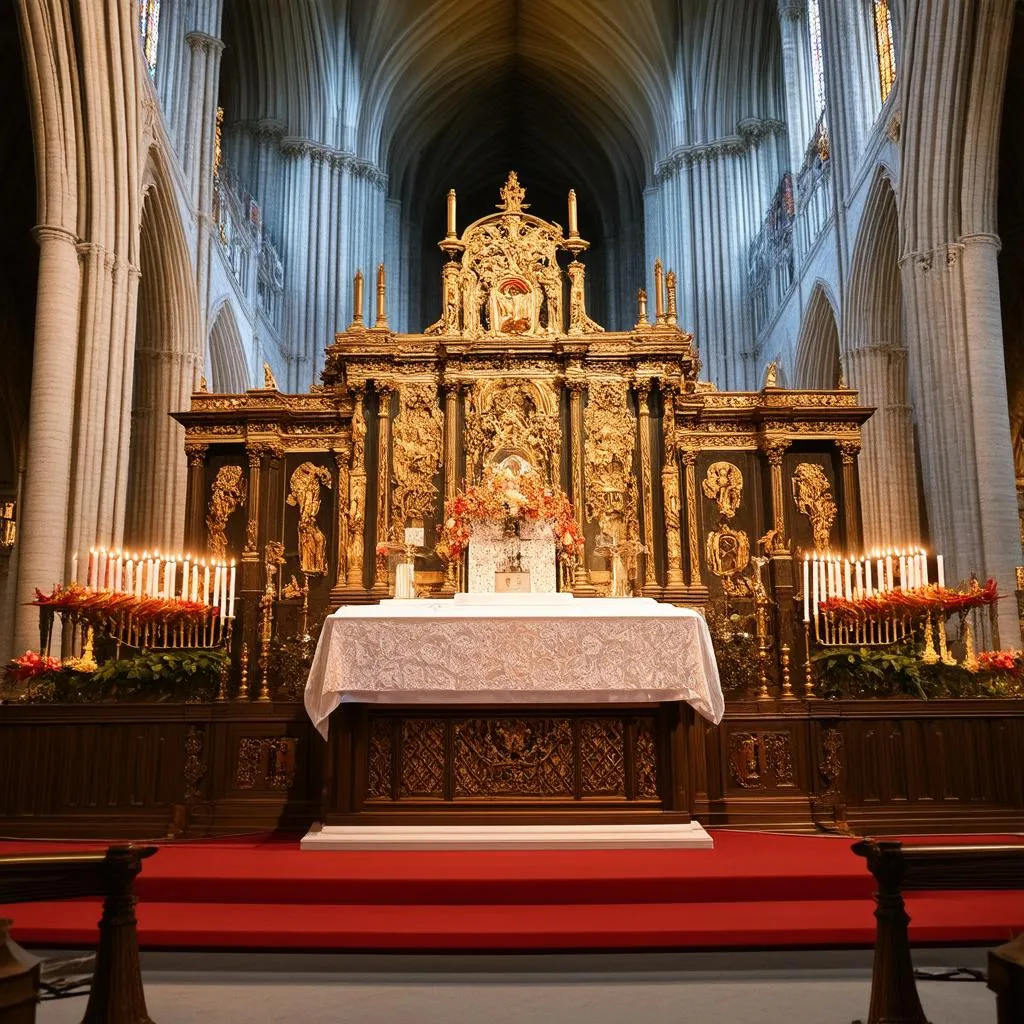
{"x": 512, "y": 195}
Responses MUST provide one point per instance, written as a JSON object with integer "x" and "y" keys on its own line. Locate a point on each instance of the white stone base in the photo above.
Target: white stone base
{"x": 690, "y": 836}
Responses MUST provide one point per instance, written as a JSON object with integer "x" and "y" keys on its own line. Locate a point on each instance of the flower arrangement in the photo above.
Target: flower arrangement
{"x": 31, "y": 664}
{"x": 1001, "y": 661}
{"x": 916, "y": 603}
{"x": 509, "y": 498}
{"x": 96, "y": 605}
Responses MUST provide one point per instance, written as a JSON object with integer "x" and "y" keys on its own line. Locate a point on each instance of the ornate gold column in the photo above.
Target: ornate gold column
{"x": 356, "y": 513}
{"x": 643, "y": 401}
{"x": 341, "y": 458}
{"x": 848, "y": 452}
{"x": 670, "y": 495}
{"x": 774, "y": 449}
{"x": 577, "y": 475}
{"x": 250, "y": 553}
{"x": 452, "y": 390}
{"x": 195, "y": 538}
{"x": 380, "y": 577}
{"x": 690, "y": 462}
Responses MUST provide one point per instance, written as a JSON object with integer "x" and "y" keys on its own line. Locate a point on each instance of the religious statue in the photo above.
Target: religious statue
{"x": 724, "y": 486}
{"x": 727, "y": 551}
{"x": 670, "y": 489}
{"x": 226, "y": 494}
{"x": 304, "y": 494}
{"x": 812, "y": 495}
{"x": 269, "y": 380}
{"x": 448, "y": 322}
{"x": 771, "y": 374}
{"x": 579, "y": 322}
{"x": 513, "y": 307}
{"x": 356, "y": 519}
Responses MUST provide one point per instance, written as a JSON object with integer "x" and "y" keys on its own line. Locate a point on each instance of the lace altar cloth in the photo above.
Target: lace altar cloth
{"x": 530, "y": 648}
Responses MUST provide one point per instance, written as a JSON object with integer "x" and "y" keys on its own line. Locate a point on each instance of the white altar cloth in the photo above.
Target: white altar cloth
{"x": 514, "y": 648}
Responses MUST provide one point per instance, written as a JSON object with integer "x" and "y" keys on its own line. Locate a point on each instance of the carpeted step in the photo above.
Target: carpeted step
{"x": 937, "y": 918}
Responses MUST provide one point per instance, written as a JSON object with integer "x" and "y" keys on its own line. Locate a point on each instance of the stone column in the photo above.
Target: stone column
{"x": 42, "y": 540}
{"x": 251, "y": 551}
{"x": 643, "y": 398}
{"x": 383, "y": 533}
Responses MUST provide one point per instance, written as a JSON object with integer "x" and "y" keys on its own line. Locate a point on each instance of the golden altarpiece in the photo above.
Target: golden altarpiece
{"x": 715, "y": 494}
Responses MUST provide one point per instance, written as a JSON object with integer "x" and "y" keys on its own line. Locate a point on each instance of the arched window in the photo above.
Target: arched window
{"x": 149, "y": 30}
{"x": 814, "y": 43}
{"x": 884, "y": 47}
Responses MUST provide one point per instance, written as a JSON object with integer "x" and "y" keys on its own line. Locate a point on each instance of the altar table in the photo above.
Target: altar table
{"x": 508, "y": 649}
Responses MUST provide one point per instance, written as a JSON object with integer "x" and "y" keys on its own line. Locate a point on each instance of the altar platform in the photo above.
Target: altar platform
{"x": 753, "y": 891}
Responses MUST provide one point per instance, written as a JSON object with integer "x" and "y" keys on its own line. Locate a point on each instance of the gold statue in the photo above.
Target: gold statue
{"x": 727, "y": 551}
{"x": 226, "y": 494}
{"x": 304, "y": 494}
{"x": 724, "y": 486}
{"x": 670, "y": 489}
{"x": 269, "y": 380}
{"x": 579, "y": 322}
{"x": 812, "y": 495}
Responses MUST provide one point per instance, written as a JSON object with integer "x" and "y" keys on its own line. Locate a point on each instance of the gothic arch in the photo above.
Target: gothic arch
{"x": 165, "y": 364}
{"x": 817, "y": 350}
{"x": 229, "y": 373}
{"x": 876, "y": 358}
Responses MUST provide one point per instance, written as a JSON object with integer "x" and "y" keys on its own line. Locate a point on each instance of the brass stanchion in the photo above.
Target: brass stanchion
{"x": 243, "y": 680}
{"x": 787, "y": 686}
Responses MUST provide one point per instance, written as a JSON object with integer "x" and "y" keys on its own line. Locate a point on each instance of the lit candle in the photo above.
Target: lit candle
{"x": 172, "y": 577}
{"x": 889, "y": 582}
{"x": 848, "y": 590}
{"x": 101, "y": 569}
{"x": 903, "y": 572}
{"x": 924, "y": 568}
{"x": 90, "y": 579}
{"x": 451, "y": 213}
{"x": 216, "y": 586}
{"x": 231, "y": 597}
{"x": 879, "y": 565}
{"x": 74, "y": 567}
{"x": 807, "y": 583}
{"x": 224, "y": 593}
{"x": 814, "y": 584}
{"x": 119, "y": 572}
{"x": 940, "y": 569}
{"x": 860, "y": 579}
{"x": 129, "y": 576}
{"x": 186, "y": 578}
{"x": 573, "y": 226}
{"x": 867, "y": 575}
{"x": 206, "y": 583}
{"x": 139, "y": 574}
{"x": 830, "y": 580}
{"x": 195, "y": 582}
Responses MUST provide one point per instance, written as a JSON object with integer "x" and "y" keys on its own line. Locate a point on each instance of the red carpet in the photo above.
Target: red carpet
{"x": 754, "y": 890}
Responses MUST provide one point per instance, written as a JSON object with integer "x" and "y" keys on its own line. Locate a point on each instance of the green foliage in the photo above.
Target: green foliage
{"x": 859, "y": 672}
{"x": 732, "y": 636}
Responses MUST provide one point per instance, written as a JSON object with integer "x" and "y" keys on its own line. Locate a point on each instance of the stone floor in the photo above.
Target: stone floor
{"x": 811, "y": 988}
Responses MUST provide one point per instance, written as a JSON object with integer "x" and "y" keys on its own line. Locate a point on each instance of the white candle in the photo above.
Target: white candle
{"x": 119, "y": 572}
{"x": 903, "y": 572}
{"x": 940, "y": 569}
{"x": 206, "y": 583}
{"x": 807, "y": 591}
{"x": 216, "y": 586}
{"x": 889, "y": 581}
{"x": 231, "y": 598}
{"x": 186, "y": 578}
{"x": 129, "y": 576}
{"x": 224, "y": 592}
{"x": 830, "y": 579}
{"x": 823, "y": 578}
{"x": 90, "y": 579}
{"x": 74, "y": 567}
{"x": 195, "y": 582}
{"x": 867, "y": 576}
{"x": 860, "y": 580}
{"x": 924, "y": 568}
{"x": 101, "y": 569}
{"x": 847, "y": 588}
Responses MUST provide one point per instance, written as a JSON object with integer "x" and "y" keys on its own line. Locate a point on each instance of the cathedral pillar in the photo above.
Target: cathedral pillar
{"x": 44, "y": 507}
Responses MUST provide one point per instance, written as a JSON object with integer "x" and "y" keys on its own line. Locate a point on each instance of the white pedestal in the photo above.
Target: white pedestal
{"x": 489, "y": 551}
{"x": 690, "y": 836}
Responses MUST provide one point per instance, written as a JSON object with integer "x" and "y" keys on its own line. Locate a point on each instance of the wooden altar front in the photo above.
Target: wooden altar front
{"x": 715, "y": 491}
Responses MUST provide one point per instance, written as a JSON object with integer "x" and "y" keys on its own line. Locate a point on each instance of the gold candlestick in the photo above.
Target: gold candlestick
{"x": 787, "y": 686}
{"x": 641, "y": 304}
{"x": 574, "y": 229}
{"x": 808, "y": 666}
{"x": 659, "y": 291}
{"x": 222, "y": 684}
{"x": 357, "y": 300}
{"x": 382, "y": 314}
{"x": 243, "y": 675}
{"x": 451, "y": 213}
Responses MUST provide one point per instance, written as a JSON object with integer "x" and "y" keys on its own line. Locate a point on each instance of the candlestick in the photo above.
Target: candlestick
{"x": 940, "y": 569}
{"x": 357, "y": 299}
{"x": 808, "y": 666}
{"x": 451, "y": 213}
{"x": 382, "y": 314}
{"x": 659, "y": 292}
{"x": 807, "y": 581}
{"x": 573, "y": 226}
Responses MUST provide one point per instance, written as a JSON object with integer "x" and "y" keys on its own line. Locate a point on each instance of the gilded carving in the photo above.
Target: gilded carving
{"x": 265, "y": 762}
{"x": 304, "y": 494}
{"x": 831, "y": 766}
{"x": 226, "y": 494}
{"x": 380, "y": 758}
{"x": 608, "y": 451}
{"x": 645, "y": 760}
{"x": 513, "y": 756}
{"x": 579, "y": 322}
{"x": 672, "y": 510}
{"x": 723, "y": 485}
{"x": 416, "y": 453}
{"x": 759, "y": 760}
{"x": 727, "y": 551}
{"x": 812, "y": 495}
{"x": 602, "y": 757}
{"x": 423, "y": 758}
{"x": 195, "y": 764}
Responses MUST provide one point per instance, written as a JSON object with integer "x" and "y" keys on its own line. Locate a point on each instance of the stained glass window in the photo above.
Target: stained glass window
{"x": 149, "y": 29}
{"x": 884, "y": 47}
{"x": 817, "y": 58}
